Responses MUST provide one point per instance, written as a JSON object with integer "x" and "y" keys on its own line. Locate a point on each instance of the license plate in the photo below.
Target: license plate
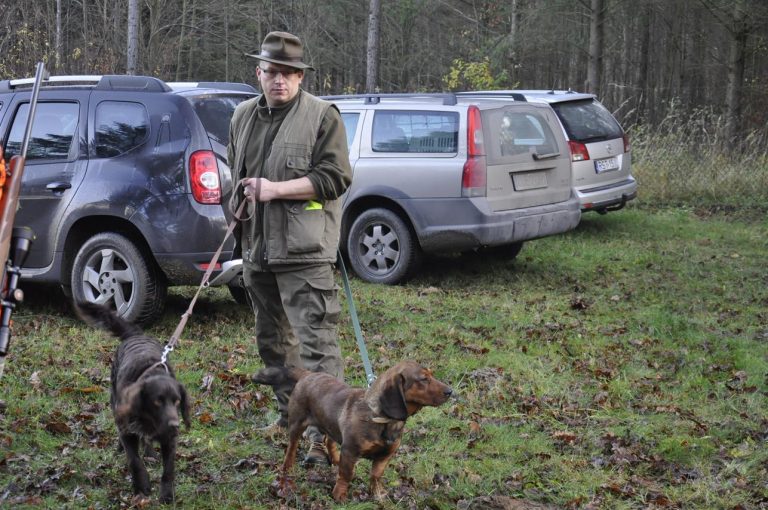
{"x": 529, "y": 180}
{"x": 607, "y": 164}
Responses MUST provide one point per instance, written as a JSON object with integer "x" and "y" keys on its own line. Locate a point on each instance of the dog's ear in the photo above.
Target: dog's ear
{"x": 129, "y": 399}
{"x": 184, "y": 404}
{"x": 391, "y": 399}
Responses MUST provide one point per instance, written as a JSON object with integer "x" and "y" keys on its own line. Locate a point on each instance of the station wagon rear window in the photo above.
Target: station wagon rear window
{"x": 587, "y": 121}
{"x": 415, "y": 132}
{"x": 517, "y": 135}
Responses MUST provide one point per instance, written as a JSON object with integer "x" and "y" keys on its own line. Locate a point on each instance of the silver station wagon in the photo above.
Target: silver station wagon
{"x": 442, "y": 173}
{"x": 601, "y": 159}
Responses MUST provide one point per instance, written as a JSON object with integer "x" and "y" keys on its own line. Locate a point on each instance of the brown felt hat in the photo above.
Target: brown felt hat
{"x": 282, "y": 48}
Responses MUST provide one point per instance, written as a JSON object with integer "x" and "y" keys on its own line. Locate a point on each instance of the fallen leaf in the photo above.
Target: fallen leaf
{"x": 34, "y": 380}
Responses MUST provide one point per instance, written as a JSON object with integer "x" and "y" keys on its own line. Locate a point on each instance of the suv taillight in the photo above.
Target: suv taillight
{"x": 474, "y": 176}
{"x": 627, "y": 145}
{"x": 204, "y": 177}
{"x": 579, "y": 151}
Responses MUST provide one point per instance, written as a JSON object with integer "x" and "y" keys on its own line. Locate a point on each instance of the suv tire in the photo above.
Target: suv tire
{"x": 382, "y": 248}
{"x": 110, "y": 269}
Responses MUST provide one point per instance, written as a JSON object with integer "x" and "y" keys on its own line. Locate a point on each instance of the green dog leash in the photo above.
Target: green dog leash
{"x": 370, "y": 377}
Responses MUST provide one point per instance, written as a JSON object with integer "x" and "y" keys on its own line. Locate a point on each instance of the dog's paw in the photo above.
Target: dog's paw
{"x": 283, "y": 487}
{"x": 339, "y": 493}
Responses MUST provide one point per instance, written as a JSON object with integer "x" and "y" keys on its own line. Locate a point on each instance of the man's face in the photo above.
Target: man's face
{"x": 279, "y": 83}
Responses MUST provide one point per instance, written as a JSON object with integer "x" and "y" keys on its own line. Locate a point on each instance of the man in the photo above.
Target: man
{"x": 289, "y": 150}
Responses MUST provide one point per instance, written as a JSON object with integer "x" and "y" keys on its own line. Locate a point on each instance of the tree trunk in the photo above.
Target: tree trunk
{"x": 645, "y": 27}
{"x": 57, "y": 64}
{"x": 736, "y": 54}
{"x": 181, "y": 38}
{"x": 596, "y": 30}
{"x": 374, "y": 28}
{"x": 133, "y": 37}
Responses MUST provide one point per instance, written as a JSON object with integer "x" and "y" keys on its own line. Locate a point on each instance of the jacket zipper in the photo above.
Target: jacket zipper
{"x": 263, "y": 206}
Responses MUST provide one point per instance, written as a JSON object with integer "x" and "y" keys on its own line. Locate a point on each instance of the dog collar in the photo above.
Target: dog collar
{"x": 383, "y": 419}
{"x": 152, "y": 367}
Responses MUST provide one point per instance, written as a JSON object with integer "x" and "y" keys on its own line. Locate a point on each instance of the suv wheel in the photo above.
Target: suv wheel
{"x": 110, "y": 269}
{"x": 381, "y": 247}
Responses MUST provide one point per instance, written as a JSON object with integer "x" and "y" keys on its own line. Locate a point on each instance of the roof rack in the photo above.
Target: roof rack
{"x": 448, "y": 98}
{"x": 517, "y": 96}
{"x": 99, "y": 82}
{"x": 222, "y": 85}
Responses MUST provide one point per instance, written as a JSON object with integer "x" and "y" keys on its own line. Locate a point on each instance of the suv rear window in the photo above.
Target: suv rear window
{"x": 587, "y": 121}
{"x": 120, "y": 126}
{"x": 214, "y": 112}
{"x": 52, "y": 131}
{"x": 415, "y": 131}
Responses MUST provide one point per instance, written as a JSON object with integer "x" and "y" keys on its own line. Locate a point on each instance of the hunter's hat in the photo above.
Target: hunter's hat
{"x": 282, "y": 48}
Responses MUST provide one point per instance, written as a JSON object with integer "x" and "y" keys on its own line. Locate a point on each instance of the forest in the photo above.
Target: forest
{"x": 646, "y": 60}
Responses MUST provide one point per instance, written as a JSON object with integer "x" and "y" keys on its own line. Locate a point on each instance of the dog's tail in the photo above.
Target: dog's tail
{"x": 100, "y": 316}
{"x": 279, "y": 377}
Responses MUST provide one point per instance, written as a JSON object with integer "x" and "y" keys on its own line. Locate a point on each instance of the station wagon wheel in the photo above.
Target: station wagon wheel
{"x": 109, "y": 269}
{"x": 381, "y": 247}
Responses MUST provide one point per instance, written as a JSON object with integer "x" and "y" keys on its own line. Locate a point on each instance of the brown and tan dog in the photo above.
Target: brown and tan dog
{"x": 146, "y": 399}
{"x": 366, "y": 424}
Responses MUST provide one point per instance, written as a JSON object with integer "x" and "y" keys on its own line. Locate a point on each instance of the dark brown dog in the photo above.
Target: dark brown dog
{"x": 145, "y": 398}
{"x": 364, "y": 423}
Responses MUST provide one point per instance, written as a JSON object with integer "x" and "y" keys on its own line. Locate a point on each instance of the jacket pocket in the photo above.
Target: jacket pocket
{"x": 296, "y": 166}
{"x": 306, "y": 227}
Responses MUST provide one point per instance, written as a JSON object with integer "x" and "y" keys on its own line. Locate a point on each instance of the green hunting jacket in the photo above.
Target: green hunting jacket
{"x": 305, "y": 138}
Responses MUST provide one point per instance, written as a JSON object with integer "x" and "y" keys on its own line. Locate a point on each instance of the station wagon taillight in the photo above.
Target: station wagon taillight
{"x": 474, "y": 175}
{"x": 579, "y": 151}
{"x": 204, "y": 177}
{"x": 627, "y": 145}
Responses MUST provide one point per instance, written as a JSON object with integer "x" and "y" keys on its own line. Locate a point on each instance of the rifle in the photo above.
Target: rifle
{"x": 14, "y": 241}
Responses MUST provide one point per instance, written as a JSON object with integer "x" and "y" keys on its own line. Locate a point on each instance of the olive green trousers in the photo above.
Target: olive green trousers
{"x": 296, "y": 314}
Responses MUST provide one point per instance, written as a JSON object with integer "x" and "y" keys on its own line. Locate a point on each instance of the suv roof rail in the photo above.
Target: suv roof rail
{"x": 222, "y": 85}
{"x": 135, "y": 83}
{"x": 517, "y": 96}
{"x": 100, "y": 82}
{"x": 448, "y": 98}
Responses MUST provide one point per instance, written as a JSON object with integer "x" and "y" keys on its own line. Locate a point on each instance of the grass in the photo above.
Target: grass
{"x": 620, "y": 366}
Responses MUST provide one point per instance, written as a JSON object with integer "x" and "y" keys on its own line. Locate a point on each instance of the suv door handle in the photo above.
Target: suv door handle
{"x": 539, "y": 157}
{"x": 58, "y": 187}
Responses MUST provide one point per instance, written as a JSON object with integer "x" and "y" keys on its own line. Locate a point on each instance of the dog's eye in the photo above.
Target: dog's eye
{"x": 158, "y": 403}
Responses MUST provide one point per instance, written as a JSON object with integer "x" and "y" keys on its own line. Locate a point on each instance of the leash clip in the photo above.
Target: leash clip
{"x": 168, "y": 348}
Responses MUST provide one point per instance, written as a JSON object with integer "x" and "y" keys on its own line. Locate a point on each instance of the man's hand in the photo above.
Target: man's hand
{"x": 259, "y": 189}
{"x": 253, "y": 189}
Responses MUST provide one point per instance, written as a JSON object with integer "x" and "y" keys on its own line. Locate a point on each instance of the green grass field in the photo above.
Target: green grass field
{"x": 620, "y": 366}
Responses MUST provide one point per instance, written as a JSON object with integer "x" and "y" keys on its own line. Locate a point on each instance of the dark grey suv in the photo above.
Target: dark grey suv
{"x": 124, "y": 184}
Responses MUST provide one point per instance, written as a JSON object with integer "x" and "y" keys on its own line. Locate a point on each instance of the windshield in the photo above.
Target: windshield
{"x": 215, "y": 112}
{"x": 587, "y": 121}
